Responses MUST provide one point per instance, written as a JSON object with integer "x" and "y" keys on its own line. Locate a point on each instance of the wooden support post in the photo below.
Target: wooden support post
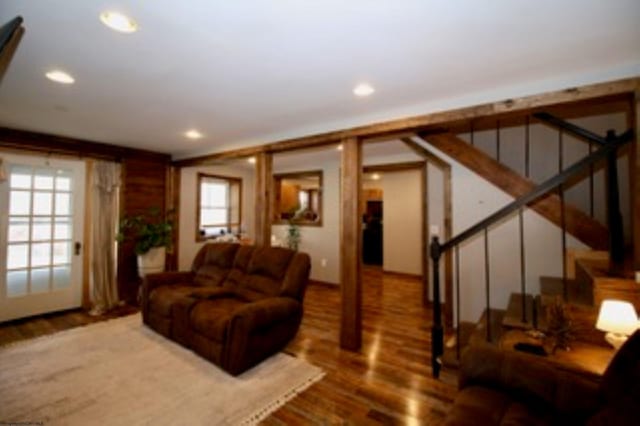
{"x": 634, "y": 173}
{"x": 263, "y": 191}
{"x": 351, "y": 245}
{"x": 424, "y": 190}
{"x": 172, "y": 205}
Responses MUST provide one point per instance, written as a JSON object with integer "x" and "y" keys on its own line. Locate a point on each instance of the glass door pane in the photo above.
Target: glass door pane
{"x": 40, "y": 230}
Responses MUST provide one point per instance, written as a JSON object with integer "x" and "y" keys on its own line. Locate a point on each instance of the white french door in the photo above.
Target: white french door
{"x": 41, "y": 224}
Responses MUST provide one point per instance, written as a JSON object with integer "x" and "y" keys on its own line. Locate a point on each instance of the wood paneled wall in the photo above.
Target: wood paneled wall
{"x": 144, "y": 185}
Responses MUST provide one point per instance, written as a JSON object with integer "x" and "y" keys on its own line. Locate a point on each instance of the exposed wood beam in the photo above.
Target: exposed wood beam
{"x": 351, "y": 245}
{"x": 582, "y": 108}
{"x": 22, "y": 140}
{"x": 393, "y": 167}
{"x": 14, "y": 31}
{"x": 426, "y": 154}
{"x": 578, "y": 224}
{"x": 429, "y": 121}
{"x": 263, "y": 193}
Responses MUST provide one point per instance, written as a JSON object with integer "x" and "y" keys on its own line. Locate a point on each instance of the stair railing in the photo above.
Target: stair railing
{"x": 608, "y": 149}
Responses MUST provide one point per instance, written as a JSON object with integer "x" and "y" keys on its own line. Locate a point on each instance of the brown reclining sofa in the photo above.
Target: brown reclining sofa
{"x": 509, "y": 388}
{"x": 237, "y": 306}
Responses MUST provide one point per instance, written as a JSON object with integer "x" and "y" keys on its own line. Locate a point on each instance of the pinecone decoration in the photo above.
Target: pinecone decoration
{"x": 560, "y": 327}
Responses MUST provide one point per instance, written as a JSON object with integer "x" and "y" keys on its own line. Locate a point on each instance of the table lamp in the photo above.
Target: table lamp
{"x": 618, "y": 319}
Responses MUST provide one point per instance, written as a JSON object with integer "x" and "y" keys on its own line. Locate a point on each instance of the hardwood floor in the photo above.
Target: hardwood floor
{"x": 28, "y": 328}
{"x": 387, "y": 382}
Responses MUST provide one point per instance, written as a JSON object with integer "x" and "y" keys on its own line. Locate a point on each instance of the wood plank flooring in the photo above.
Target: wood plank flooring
{"x": 387, "y": 382}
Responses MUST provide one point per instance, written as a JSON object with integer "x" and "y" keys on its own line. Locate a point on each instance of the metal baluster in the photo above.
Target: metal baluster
{"x": 591, "y": 172}
{"x": 471, "y": 133}
{"x": 526, "y": 147}
{"x": 498, "y": 140}
{"x": 486, "y": 281}
{"x": 563, "y": 219}
{"x": 523, "y": 289}
{"x": 457, "y": 256}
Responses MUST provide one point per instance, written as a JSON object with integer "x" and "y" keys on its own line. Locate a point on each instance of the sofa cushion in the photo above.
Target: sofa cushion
{"x": 210, "y": 318}
{"x": 270, "y": 262}
{"x": 266, "y": 271}
{"x": 162, "y": 298}
{"x": 239, "y": 269}
{"x": 216, "y": 263}
{"x": 221, "y": 254}
{"x": 210, "y": 275}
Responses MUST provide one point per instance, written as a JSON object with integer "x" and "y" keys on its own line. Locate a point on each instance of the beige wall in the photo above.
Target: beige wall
{"x": 402, "y": 222}
{"x": 188, "y": 247}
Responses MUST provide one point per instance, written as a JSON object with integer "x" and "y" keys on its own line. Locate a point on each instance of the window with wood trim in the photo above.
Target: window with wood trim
{"x": 219, "y": 206}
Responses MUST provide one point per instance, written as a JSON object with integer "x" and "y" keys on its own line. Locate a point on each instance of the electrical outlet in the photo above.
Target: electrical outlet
{"x": 323, "y": 263}
{"x": 638, "y": 277}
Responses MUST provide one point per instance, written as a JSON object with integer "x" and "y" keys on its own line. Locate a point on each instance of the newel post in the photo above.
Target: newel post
{"x": 437, "y": 334}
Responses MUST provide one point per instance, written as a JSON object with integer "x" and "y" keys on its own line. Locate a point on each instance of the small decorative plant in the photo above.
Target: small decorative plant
{"x": 147, "y": 231}
{"x": 293, "y": 232}
{"x": 560, "y": 326}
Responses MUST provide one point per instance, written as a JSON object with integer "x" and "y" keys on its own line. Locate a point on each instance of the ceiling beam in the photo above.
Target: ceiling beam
{"x": 21, "y": 140}
{"x": 421, "y": 123}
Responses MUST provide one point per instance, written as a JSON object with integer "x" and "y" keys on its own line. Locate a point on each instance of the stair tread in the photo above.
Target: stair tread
{"x": 450, "y": 355}
{"x": 513, "y": 316}
{"x": 578, "y": 292}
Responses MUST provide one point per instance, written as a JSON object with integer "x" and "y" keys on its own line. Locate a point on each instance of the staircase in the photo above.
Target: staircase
{"x": 587, "y": 285}
{"x": 586, "y": 280}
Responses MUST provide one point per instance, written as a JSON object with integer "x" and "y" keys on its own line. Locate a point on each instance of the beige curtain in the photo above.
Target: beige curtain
{"x": 104, "y": 210}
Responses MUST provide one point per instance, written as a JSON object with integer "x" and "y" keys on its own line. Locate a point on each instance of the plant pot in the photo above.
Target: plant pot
{"x": 152, "y": 261}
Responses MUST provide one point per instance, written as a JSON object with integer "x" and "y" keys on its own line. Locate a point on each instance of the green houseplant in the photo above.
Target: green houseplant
{"x": 152, "y": 235}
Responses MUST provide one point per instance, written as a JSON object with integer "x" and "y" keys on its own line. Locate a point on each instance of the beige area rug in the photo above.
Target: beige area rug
{"x": 119, "y": 372}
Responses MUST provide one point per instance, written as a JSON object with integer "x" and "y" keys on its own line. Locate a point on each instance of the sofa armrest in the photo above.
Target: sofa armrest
{"x": 266, "y": 312}
{"x": 529, "y": 377}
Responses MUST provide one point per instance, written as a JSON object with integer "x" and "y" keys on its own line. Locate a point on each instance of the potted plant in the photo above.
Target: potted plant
{"x": 293, "y": 231}
{"x": 152, "y": 235}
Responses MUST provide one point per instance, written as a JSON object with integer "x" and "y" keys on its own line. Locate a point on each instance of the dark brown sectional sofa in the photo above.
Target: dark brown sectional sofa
{"x": 237, "y": 306}
{"x": 508, "y": 388}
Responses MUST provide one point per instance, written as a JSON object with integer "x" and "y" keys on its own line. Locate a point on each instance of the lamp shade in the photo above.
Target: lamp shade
{"x": 617, "y": 316}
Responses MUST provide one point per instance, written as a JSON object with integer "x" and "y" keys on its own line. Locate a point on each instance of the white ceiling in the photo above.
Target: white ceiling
{"x": 249, "y": 72}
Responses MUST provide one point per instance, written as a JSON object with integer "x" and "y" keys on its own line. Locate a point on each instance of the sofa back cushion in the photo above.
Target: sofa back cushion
{"x": 265, "y": 272}
{"x": 297, "y": 276}
{"x": 240, "y": 267}
{"x": 214, "y": 261}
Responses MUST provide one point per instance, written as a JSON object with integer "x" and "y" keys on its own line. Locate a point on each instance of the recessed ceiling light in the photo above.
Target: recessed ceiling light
{"x": 363, "y": 89}
{"x": 119, "y": 22}
{"x": 251, "y": 160}
{"x": 339, "y": 147}
{"x": 375, "y": 176}
{"x": 193, "y": 134}
{"x": 60, "y": 77}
